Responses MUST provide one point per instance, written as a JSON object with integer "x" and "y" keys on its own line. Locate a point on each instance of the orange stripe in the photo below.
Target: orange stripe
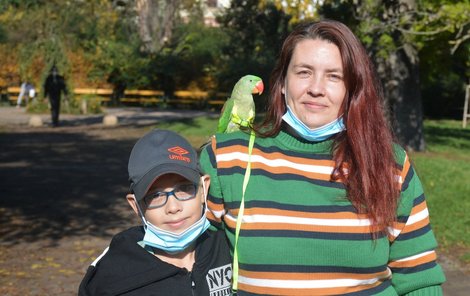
{"x": 214, "y": 144}
{"x": 274, "y": 170}
{"x": 288, "y": 213}
{"x": 215, "y": 206}
{"x": 416, "y": 226}
{"x": 406, "y": 168}
{"x": 418, "y": 208}
{"x": 276, "y": 155}
{"x": 304, "y": 292}
{"x": 231, "y": 149}
{"x": 311, "y": 276}
{"x": 415, "y": 262}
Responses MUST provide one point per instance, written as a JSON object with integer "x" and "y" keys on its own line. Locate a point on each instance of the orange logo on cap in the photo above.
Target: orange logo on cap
{"x": 178, "y": 154}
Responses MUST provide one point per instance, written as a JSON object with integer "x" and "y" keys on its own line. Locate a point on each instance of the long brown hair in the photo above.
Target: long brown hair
{"x": 363, "y": 154}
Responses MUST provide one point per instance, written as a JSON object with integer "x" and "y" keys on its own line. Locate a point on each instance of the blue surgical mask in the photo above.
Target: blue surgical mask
{"x": 317, "y": 134}
{"x": 171, "y": 242}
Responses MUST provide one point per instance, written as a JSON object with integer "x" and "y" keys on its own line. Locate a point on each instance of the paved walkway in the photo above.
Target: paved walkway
{"x": 129, "y": 116}
{"x": 69, "y": 137}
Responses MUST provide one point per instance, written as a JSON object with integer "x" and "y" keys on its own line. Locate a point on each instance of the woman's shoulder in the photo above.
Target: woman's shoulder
{"x": 400, "y": 153}
{"x": 238, "y": 135}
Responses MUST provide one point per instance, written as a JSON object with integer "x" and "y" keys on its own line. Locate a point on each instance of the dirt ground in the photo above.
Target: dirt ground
{"x": 62, "y": 198}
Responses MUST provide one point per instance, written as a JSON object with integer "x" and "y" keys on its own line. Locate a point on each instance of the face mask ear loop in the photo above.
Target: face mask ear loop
{"x": 141, "y": 213}
{"x": 205, "y": 196}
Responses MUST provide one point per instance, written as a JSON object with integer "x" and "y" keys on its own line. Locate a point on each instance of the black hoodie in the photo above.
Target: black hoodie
{"x": 128, "y": 269}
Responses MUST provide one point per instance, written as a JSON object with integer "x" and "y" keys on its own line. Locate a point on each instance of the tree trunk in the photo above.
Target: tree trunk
{"x": 399, "y": 71}
{"x": 156, "y": 19}
{"x": 400, "y": 77}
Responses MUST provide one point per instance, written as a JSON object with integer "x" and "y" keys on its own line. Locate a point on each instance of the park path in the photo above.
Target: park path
{"x": 62, "y": 197}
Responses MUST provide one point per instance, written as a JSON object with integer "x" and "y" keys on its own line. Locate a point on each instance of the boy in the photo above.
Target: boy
{"x": 173, "y": 253}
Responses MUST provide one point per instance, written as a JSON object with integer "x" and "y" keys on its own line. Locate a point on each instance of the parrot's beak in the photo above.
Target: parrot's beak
{"x": 258, "y": 89}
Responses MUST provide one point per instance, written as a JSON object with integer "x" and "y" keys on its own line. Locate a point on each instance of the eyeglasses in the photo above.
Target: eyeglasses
{"x": 181, "y": 192}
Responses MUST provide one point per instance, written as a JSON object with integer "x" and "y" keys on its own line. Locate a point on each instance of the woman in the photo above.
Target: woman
{"x": 331, "y": 205}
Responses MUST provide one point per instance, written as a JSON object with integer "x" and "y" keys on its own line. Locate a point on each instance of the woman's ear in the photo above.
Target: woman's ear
{"x": 132, "y": 202}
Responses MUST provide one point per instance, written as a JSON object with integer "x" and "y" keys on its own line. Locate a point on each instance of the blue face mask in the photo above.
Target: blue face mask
{"x": 317, "y": 134}
{"x": 171, "y": 242}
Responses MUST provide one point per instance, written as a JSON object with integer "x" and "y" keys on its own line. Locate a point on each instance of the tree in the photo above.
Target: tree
{"x": 392, "y": 31}
{"x": 255, "y": 30}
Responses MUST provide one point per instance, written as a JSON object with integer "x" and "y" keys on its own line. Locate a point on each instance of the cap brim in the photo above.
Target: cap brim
{"x": 141, "y": 188}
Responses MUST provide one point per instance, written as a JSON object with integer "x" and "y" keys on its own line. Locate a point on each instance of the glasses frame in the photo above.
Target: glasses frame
{"x": 168, "y": 193}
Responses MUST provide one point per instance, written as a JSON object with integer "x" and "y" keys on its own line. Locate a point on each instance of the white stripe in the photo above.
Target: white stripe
{"x": 393, "y": 231}
{"x": 415, "y": 256}
{"x": 411, "y": 220}
{"x": 275, "y": 162}
{"x": 217, "y": 214}
{"x": 302, "y": 221}
{"x": 99, "y": 257}
{"x": 417, "y": 217}
{"x": 307, "y": 284}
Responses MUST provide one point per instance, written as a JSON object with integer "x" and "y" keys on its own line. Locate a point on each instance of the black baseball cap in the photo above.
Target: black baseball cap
{"x": 157, "y": 153}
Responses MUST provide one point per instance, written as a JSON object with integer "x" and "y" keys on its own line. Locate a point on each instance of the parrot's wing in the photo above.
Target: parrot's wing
{"x": 225, "y": 116}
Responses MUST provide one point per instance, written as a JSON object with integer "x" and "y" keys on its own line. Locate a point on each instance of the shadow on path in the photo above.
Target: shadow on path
{"x": 61, "y": 184}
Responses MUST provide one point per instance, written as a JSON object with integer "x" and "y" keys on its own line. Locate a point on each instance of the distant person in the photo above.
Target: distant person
{"x": 173, "y": 252}
{"x": 27, "y": 91}
{"x": 53, "y": 87}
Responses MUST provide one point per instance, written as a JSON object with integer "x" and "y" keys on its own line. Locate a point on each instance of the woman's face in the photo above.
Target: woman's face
{"x": 314, "y": 86}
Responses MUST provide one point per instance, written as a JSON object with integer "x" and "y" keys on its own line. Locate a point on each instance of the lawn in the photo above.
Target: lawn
{"x": 444, "y": 170}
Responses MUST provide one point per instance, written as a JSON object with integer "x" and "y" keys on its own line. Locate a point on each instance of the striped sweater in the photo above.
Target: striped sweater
{"x": 301, "y": 236}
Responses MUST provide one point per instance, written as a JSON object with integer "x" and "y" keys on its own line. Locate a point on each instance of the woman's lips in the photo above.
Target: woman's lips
{"x": 314, "y": 105}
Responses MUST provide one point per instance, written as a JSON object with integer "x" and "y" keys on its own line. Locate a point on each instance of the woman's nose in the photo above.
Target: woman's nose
{"x": 316, "y": 86}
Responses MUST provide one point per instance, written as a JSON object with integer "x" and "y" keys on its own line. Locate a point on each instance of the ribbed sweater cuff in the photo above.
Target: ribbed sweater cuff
{"x": 428, "y": 291}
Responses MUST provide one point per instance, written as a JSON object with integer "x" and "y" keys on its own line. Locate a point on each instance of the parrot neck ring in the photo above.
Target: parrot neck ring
{"x": 240, "y": 121}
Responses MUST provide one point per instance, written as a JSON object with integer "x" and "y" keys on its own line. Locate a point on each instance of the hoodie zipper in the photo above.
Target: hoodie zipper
{"x": 193, "y": 284}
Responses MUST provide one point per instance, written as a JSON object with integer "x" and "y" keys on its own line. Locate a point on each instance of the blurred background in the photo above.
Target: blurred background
{"x": 171, "y": 64}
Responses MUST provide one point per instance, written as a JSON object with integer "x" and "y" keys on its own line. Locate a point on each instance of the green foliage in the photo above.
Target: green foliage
{"x": 190, "y": 60}
{"x": 436, "y": 28}
{"x": 255, "y": 33}
{"x": 38, "y": 106}
{"x": 87, "y": 104}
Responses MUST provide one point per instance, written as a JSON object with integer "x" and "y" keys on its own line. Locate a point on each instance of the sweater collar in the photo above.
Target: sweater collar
{"x": 289, "y": 138}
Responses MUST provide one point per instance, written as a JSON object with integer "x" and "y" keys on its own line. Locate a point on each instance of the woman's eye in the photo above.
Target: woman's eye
{"x": 335, "y": 77}
{"x": 303, "y": 73}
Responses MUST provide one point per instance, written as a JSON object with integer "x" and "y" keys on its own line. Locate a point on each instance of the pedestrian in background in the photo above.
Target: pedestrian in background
{"x": 26, "y": 91}
{"x": 53, "y": 88}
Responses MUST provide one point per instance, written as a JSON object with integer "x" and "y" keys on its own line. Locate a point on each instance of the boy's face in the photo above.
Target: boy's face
{"x": 175, "y": 215}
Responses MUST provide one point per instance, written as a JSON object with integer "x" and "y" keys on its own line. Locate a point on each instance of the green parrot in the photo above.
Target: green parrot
{"x": 239, "y": 109}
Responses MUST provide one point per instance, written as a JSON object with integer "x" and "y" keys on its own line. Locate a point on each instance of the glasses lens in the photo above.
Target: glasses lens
{"x": 155, "y": 200}
{"x": 185, "y": 191}
{"x": 181, "y": 192}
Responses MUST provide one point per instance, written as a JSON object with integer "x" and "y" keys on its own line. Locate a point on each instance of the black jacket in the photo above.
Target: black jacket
{"x": 128, "y": 269}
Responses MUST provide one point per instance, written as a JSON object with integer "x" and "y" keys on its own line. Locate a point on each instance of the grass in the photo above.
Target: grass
{"x": 196, "y": 130}
{"x": 444, "y": 170}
